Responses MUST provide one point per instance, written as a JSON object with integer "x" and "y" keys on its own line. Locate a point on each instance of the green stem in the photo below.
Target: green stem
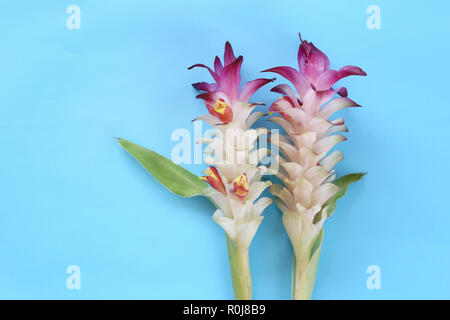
{"x": 304, "y": 279}
{"x": 305, "y": 269}
{"x": 240, "y": 271}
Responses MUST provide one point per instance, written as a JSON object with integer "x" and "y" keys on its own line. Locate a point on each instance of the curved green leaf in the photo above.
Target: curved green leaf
{"x": 174, "y": 177}
{"x": 343, "y": 182}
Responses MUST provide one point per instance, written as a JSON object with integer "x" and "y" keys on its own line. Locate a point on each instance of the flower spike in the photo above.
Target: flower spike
{"x": 309, "y": 194}
{"x": 236, "y": 190}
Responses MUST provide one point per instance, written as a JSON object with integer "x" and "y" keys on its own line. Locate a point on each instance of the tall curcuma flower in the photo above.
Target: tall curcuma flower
{"x": 309, "y": 191}
{"x": 234, "y": 155}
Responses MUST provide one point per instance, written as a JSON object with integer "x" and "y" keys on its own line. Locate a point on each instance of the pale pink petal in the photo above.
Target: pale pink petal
{"x": 330, "y": 178}
{"x": 325, "y": 144}
{"x": 289, "y": 151}
{"x": 336, "y": 105}
{"x": 303, "y": 191}
{"x": 306, "y": 139}
{"x": 254, "y": 117}
{"x": 256, "y": 188}
{"x": 316, "y": 175}
{"x": 226, "y": 223}
{"x": 284, "y": 195}
{"x": 213, "y": 121}
{"x": 307, "y": 158}
{"x": 281, "y": 105}
{"x": 287, "y": 91}
{"x": 323, "y": 193}
{"x": 338, "y": 122}
{"x": 259, "y": 206}
{"x": 218, "y": 199}
{"x": 283, "y": 123}
{"x": 331, "y": 160}
{"x": 275, "y": 139}
{"x": 334, "y": 129}
{"x": 293, "y": 169}
{"x": 313, "y": 100}
{"x": 319, "y": 125}
{"x": 296, "y": 116}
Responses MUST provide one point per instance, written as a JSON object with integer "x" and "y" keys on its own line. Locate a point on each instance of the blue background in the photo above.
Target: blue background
{"x": 70, "y": 195}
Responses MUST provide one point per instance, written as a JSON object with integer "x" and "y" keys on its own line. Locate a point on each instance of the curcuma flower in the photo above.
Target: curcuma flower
{"x": 233, "y": 180}
{"x": 234, "y": 155}
{"x": 309, "y": 192}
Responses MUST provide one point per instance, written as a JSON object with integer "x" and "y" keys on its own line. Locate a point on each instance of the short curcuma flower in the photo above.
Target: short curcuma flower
{"x": 233, "y": 180}
{"x": 308, "y": 194}
{"x": 234, "y": 155}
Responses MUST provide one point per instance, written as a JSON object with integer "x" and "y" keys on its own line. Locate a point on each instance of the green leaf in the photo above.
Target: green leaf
{"x": 174, "y": 177}
{"x": 343, "y": 182}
